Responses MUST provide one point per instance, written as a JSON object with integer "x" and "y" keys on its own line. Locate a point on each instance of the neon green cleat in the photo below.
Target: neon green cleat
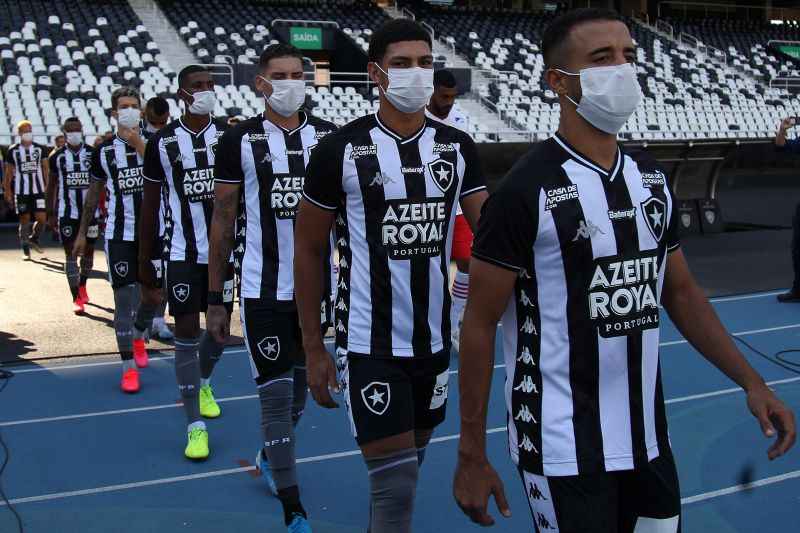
{"x": 208, "y": 405}
{"x": 197, "y": 448}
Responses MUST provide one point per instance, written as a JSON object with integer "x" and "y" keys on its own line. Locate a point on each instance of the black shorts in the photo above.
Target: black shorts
{"x": 187, "y": 288}
{"x": 387, "y": 397}
{"x": 29, "y": 203}
{"x": 612, "y": 502}
{"x": 272, "y": 337}
{"x": 123, "y": 262}
{"x": 68, "y": 228}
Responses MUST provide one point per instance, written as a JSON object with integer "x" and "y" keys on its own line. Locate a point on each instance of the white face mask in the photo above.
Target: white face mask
{"x": 149, "y": 128}
{"x": 287, "y": 96}
{"x": 610, "y": 95}
{"x": 410, "y": 89}
{"x": 128, "y": 117}
{"x": 74, "y": 138}
{"x": 204, "y": 102}
{"x": 26, "y": 137}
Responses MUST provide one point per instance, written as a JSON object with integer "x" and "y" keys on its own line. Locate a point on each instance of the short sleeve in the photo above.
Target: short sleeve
{"x": 474, "y": 180}
{"x": 323, "y": 184}
{"x": 95, "y": 168}
{"x": 673, "y": 239}
{"x": 152, "y": 169}
{"x": 507, "y": 228}
{"x": 228, "y": 159}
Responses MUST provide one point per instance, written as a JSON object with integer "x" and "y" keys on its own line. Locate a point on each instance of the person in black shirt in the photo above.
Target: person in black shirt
{"x": 572, "y": 251}
{"x": 791, "y": 146}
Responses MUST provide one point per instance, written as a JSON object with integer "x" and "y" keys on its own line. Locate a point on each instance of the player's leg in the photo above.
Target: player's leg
{"x": 210, "y": 349}
{"x": 122, "y": 270}
{"x": 379, "y": 399}
{"x": 573, "y": 504}
{"x": 271, "y": 341}
{"x": 87, "y": 260}
{"x": 40, "y": 221}
{"x": 68, "y": 230}
{"x": 650, "y": 498}
{"x": 462, "y": 249}
{"x": 24, "y": 231}
{"x": 183, "y": 283}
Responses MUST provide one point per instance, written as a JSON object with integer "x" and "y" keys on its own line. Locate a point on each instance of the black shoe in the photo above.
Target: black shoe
{"x": 26, "y": 252}
{"x": 789, "y": 297}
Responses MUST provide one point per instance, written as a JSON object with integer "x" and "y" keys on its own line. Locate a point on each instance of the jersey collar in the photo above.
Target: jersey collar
{"x": 199, "y": 133}
{"x": 303, "y": 123}
{"x": 585, "y": 161}
{"x": 391, "y": 133}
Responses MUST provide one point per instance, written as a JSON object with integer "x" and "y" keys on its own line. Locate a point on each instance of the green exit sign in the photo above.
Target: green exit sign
{"x": 306, "y": 38}
{"x": 793, "y": 51}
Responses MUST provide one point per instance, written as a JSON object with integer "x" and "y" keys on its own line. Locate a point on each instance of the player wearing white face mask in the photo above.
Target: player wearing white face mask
{"x": 586, "y": 420}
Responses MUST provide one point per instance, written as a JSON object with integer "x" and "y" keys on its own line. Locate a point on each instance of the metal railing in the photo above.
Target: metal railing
{"x": 408, "y": 13}
{"x": 784, "y": 82}
{"x": 781, "y": 13}
{"x": 665, "y": 27}
{"x": 304, "y": 22}
{"x": 429, "y": 28}
{"x": 228, "y": 70}
{"x": 705, "y": 49}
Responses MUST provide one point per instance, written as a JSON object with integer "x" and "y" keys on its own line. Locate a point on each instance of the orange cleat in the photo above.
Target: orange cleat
{"x": 130, "y": 381}
{"x": 83, "y": 295}
{"x": 77, "y": 306}
{"x": 139, "y": 353}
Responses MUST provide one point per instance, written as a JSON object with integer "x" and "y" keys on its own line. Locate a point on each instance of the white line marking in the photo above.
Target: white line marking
{"x": 740, "y": 488}
{"x": 739, "y": 333}
{"x": 723, "y": 299}
{"x": 732, "y": 390}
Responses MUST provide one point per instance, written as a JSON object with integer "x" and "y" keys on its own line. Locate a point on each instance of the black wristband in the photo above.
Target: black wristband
{"x": 214, "y": 298}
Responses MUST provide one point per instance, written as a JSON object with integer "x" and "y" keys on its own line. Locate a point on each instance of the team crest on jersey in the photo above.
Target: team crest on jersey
{"x": 376, "y": 397}
{"x": 213, "y": 146}
{"x": 121, "y": 268}
{"x": 442, "y": 173}
{"x": 181, "y": 292}
{"x": 270, "y": 348}
{"x": 655, "y": 212}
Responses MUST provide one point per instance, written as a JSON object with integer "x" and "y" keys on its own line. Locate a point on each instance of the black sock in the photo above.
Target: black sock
{"x": 290, "y": 500}
{"x": 83, "y": 280}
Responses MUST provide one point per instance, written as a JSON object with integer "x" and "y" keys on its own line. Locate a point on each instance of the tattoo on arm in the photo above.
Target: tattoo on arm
{"x": 222, "y": 233}
{"x": 89, "y": 206}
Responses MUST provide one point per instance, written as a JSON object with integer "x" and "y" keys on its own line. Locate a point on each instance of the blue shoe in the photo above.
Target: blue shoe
{"x": 262, "y": 466}
{"x": 299, "y": 525}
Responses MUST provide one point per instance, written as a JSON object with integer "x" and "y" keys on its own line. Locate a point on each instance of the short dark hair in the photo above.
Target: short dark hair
{"x": 68, "y": 120}
{"x": 395, "y": 31}
{"x": 557, "y": 32}
{"x": 274, "y": 51}
{"x": 444, "y": 78}
{"x": 158, "y": 105}
{"x": 188, "y": 70}
{"x": 122, "y": 92}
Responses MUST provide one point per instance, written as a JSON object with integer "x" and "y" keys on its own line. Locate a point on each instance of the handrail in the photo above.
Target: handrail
{"x": 229, "y": 68}
{"x": 406, "y": 11}
{"x": 429, "y": 27}
{"x": 301, "y": 21}
{"x": 703, "y": 48}
{"x": 780, "y": 11}
{"x": 778, "y": 41}
{"x": 665, "y": 27}
{"x": 784, "y": 82}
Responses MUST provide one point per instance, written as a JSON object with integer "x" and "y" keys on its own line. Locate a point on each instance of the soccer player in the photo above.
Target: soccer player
{"x": 180, "y": 158}
{"x": 390, "y": 181}
{"x": 117, "y": 166}
{"x": 259, "y": 175}
{"x": 66, "y": 195}
{"x": 442, "y": 108}
{"x": 156, "y": 116}
{"x": 58, "y": 142}
{"x": 26, "y": 171}
{"x": 573, "y": 250}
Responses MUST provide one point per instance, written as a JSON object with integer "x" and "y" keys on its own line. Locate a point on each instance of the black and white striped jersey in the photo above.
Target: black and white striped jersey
{"x": 269, "y": 162}
{"x": 581, "y": 334}
{"x": 27, "y": 163}
{"x": 395, "y": 201}
{"x": 183, "y": 162}
{"x": 70, "y": 169}
{"x": 119, "y": 166}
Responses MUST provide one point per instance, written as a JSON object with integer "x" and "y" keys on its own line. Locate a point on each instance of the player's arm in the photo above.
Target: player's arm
{"x": 473, "y": 190}
{"x": 695, "y": 318}
{"x": 52, "y": 196}
{"x": 221, "y": 238}
{"x": 781, "y": 142}
{"x": 153, "y": 175}
{"x": 45, "y": 169}
{"x": 8, "y": 177}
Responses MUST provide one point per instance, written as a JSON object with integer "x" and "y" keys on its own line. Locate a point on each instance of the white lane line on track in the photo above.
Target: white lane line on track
{"x": 61, "y": 418}
{"x": 339, "y": 455}
{"x": 723, "y": 299}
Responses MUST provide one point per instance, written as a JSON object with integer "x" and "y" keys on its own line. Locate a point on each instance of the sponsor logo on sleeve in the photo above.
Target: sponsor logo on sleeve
{"x": 557, "y": 195}
{"x": 653, "y": 179}
{"x": 360, "y": 151}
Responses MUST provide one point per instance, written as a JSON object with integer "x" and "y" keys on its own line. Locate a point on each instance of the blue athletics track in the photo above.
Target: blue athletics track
{"x": 86, "y": 458}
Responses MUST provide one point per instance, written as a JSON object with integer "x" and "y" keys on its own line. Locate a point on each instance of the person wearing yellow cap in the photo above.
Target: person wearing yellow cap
{"x": 24, "y": 186}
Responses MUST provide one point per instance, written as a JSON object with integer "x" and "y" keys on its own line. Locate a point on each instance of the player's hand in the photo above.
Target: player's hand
{"x": 774, "y": 418}
{"x": 218, "y": 323}
{"x": 79, "y": 246}
{"x": 321, "y": 375}
{"x": 474, "y": 482}
{"x": 147, "y": 274}
{"x": 9, "y": 199}
{"x": 787, "y": 123}
{"x": 126, "y": 134}
{"x": 52, "y": 223}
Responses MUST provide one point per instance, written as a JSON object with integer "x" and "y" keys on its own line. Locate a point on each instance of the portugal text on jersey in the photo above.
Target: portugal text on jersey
{"x": 395, "y": 202}
{"x": 119, "y": 166}
{"x": 184, "y": 162}
{"x": 71, "y": 169}
{"x": 27, "y": 161}
{"x": 581, "y": 333}
{"x": 269, "y": 163}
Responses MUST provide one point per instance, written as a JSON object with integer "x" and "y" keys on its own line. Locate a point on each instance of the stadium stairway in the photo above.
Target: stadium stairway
{"x": 173, "y": 49}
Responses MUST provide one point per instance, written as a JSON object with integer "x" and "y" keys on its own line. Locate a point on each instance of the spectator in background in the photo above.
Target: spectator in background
{"x": 782, "y": 144}
{"x": 97, "y": 141}
{"x": 156, "y": 115}
{"x": 58, "y": 142}
{"x": 108, "y": 136}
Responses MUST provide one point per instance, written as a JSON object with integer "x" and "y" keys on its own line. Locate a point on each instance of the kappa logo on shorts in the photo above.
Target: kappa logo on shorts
{"x": 270, "y": 347}
{"x": 376, "y": 397}
{"x": 181, "y": 292}
{"x": 121, "y": 268}
{"x": 67, "y": 231}
{"x": 442, "y": 172}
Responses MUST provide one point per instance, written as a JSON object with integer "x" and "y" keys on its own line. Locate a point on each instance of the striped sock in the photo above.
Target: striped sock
{"x": 460, "y": 292}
